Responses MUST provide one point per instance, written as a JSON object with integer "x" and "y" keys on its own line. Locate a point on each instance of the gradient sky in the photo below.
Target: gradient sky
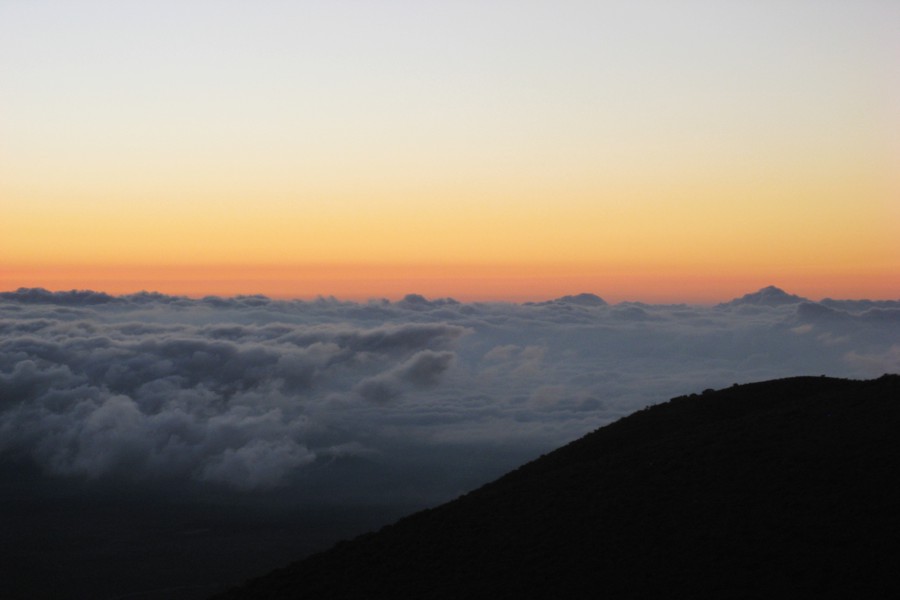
{"x": 690, "y": 150}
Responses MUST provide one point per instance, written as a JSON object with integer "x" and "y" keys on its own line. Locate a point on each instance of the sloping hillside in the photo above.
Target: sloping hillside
{"x": 784, "y": 488}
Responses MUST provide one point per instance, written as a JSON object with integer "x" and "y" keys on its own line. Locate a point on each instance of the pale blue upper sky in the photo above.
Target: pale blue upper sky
{"x": 444, "y": 78}
{"x": 558, "y": 113}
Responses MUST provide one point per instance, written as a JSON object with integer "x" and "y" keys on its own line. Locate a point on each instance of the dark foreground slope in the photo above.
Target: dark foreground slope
{"x": 786, "y": 488}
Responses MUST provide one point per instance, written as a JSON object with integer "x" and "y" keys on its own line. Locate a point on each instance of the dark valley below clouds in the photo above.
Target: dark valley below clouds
{"x": 152, "y": 402}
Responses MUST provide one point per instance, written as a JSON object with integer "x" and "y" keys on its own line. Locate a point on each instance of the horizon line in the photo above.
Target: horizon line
{"x": 672, "y": 284}
{"x": 415, "y": 296}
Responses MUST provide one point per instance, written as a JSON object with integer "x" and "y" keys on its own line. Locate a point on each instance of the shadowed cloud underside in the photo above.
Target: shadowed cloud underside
{"x": 763, "y": 490}
{"x": 126, "y": 420}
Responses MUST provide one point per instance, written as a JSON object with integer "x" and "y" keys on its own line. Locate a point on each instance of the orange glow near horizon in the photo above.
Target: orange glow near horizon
{"x": 513, "y": 283}
{"x": 665, "y": 242}
{"x": 646, "y": 151}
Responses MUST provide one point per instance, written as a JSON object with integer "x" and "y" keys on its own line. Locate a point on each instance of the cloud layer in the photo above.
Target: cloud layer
{"x": 249, "y": 394}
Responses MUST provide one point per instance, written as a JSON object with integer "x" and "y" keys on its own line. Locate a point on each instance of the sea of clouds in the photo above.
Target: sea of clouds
{"x": 409, "y": 401}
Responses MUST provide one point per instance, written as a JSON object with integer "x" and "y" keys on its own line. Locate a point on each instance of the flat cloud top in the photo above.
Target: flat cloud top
{"x": 248, "y": 393}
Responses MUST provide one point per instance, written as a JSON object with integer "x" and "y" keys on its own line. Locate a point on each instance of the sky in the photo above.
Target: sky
{"x": 645, "y": 150}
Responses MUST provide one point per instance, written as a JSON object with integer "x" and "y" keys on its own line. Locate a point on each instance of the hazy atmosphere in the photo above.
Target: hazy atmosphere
{"x": 275, "y": 273}
{"x": 648, "y": 150}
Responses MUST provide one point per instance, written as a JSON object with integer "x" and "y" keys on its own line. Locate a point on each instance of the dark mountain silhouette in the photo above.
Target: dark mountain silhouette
{"x": 767, "y": 296}
{"x": 786, "y": 488}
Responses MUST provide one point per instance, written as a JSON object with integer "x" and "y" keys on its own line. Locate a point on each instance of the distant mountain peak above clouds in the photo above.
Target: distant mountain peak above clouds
{"x": 420, "y": 302}
{"x": 583, "y": 299}
{"x": 767, "y": 296}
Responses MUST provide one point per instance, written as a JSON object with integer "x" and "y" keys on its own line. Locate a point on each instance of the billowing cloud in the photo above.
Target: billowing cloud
{"x": 222, "y": 403}
{"x": 424, "y": 369}
{"x": 249, "y": 393}
{"x": 876, "y": 363}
